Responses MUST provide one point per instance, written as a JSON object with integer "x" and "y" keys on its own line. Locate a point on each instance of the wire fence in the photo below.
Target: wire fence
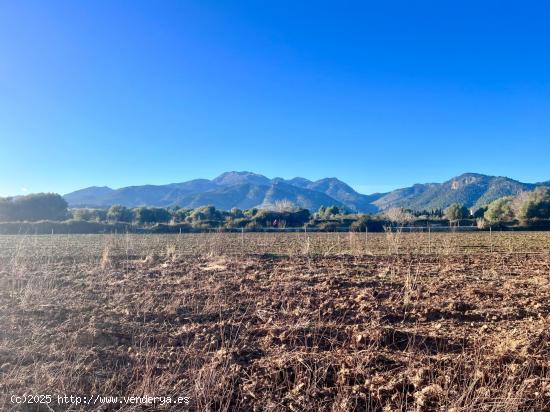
{"x": 132, "y": 246}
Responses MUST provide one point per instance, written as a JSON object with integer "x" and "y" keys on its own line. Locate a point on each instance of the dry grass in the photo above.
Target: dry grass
{"x": 320, "y": 329}
{"x": 24, "y": 249}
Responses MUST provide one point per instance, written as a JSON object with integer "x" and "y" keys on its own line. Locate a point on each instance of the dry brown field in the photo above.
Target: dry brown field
{"x": 278, "y": 322}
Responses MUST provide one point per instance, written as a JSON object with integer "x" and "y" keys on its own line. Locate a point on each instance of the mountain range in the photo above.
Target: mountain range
{"x": 246, "y": 190}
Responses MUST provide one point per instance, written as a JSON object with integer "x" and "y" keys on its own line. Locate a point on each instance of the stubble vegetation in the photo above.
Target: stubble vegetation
{"x": 297, "y": 321}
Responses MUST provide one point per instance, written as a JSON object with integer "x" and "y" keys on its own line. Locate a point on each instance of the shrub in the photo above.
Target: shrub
{"x": 240, "y": 222}
{"x": 536, "y": 205}
{"x": 253, "y": 225}
{"x": 236, "y": 213}
{"x": 205, "y": 213}
{"x": 481, "y": 223}
{"x": 164, "y": 228}
{"x": 119, "y": 213}
{"x": 362, "y": 224}
{"x": 479, "y": 213}
{"x": 500, "y": 210}
{"x": 151, "y": 215}
{"x": 298, "y": 218}
{"x": 34, "y": 207}
{"x": 251, "y": 212}
{"x": 327, "y": 212}
{"x": 456, "y": 212}
{"x": 180, "y": 215}
{"x": 205, "y": 224}
{"x": 328, "y": 226}
{"x": 398, "y": 215}
{"x": 89, "y": 215}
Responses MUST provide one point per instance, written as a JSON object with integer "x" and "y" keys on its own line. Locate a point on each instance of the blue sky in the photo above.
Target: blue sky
{"x": 379, "y": 94}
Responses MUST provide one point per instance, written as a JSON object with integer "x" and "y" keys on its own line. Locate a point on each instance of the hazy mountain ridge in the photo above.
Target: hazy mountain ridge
{"x": 247, "y": 190}
{"x": 230, "y": 189}
{"x": 239, "y": 178}
{"x": 473, "y": 190}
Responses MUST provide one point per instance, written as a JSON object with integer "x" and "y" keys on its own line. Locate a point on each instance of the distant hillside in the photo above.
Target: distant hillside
{"x": 470, "y": 189}
{"x": 246, "y": 196}
{"x": 90, "y": 195}
{"x": 246, "y": 190}
{"x": 345, "y": 194}
{"x": 239, "y": 178}
{"x": 231, "y": 189}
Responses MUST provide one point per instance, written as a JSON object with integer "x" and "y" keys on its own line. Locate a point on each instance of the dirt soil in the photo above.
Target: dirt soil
{"x": 338, "y": 333}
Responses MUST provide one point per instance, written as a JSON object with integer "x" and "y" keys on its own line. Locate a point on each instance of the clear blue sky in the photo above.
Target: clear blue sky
{"x": 379, "y": 94}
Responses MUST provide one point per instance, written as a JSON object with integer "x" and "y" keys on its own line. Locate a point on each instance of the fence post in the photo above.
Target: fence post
{"x": 429, "y": 239}
{"x": 242, "y": 240}
{"x": 366, "y": 238}
{"x": 491, "y": 237}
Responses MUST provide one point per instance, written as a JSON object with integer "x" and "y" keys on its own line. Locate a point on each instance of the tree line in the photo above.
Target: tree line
{"x": 33, "y": 207}
{"x": 524, "y": 209}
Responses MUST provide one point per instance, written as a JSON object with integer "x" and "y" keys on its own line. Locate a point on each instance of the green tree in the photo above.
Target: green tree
{"x": 456, "y": 212}
{"x": 206, "y": 213}
{"x": 118, "y": 213}
{"x": 151, "y": 215}
{"x": 39, "y": 206}
{"x": 180, "y": 215}
{"x": 327, "y": 212}
{"x": 89, "y": 215}
{"x": 7, "y": 209}
{"x": 536, "y": 205}
{"x": 332, "y": 211}
{"x": 298, "y": 218}
{"x": 479, "y": 213}
{"x": 236, "y": 213}
{"x": 500, "y": 210}
{"x": 251, "y": 212}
